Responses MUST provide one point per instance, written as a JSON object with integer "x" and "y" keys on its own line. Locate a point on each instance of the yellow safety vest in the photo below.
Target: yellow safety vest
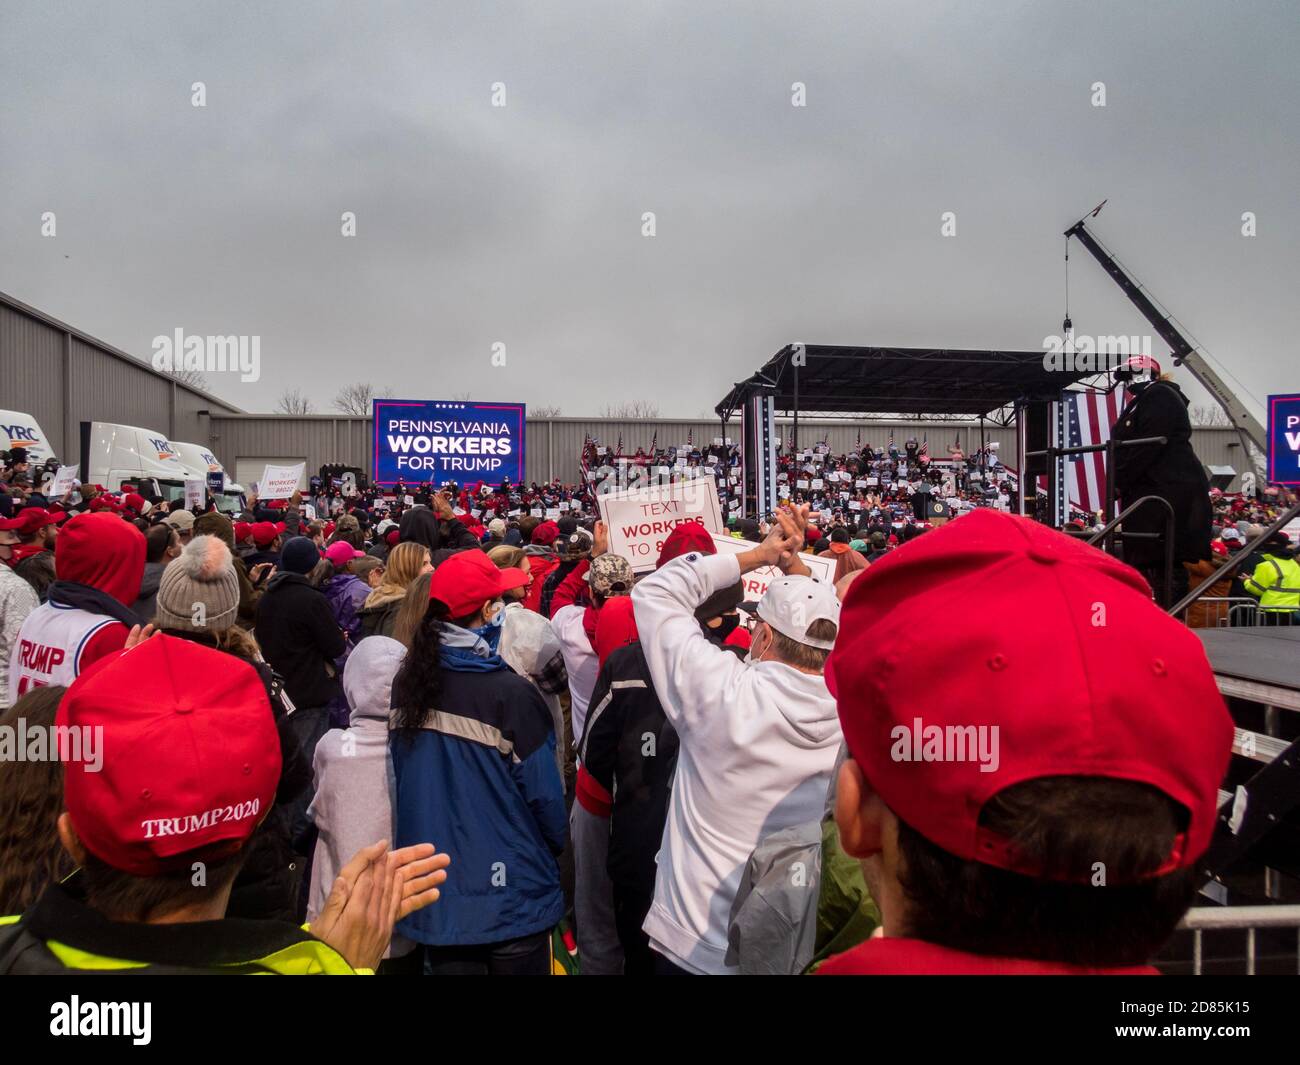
{"x": 1276, "y": 583}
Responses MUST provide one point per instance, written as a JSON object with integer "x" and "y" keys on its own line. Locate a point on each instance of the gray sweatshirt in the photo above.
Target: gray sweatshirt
{"x": 355, "y": 788}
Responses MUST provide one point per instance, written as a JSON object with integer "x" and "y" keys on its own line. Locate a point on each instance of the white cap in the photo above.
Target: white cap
{"x": 791, "y": 604}
{"x": 385, "y": 525}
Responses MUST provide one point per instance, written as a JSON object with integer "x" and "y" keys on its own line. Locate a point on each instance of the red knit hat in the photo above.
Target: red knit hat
{"x": 1049, "y": 690}
{"x": 546, "y": 534}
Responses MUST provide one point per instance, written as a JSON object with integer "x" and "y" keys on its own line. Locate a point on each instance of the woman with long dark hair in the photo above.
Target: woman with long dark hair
{"x": 31, "y": 799}
{"x": 473, "y": 751}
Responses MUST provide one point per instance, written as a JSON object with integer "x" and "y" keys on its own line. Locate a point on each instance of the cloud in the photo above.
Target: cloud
{"x": 523, "y": 224}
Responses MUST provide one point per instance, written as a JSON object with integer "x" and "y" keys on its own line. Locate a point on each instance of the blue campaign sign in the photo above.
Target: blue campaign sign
{"x": 1284, "y": 439}
{"x": 422, "y": 440}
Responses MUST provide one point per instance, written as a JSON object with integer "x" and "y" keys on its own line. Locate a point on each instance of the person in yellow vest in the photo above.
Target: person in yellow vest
{"x": 172, "y": 764}
{"x": 1275, "y": 581}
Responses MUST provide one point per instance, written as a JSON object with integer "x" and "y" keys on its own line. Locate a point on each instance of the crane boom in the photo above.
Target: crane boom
{"x": 1185, "y": 353}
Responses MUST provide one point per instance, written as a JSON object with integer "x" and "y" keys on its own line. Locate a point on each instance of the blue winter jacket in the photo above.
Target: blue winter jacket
{"x": 479, "y": 781}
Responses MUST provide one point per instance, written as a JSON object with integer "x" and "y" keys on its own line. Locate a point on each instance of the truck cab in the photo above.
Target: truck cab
{"x": 200, "y": 462}
{"x": 113, "y": 455}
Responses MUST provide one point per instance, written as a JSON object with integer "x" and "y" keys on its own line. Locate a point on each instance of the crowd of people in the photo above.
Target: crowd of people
{"x": 454, "y": 733}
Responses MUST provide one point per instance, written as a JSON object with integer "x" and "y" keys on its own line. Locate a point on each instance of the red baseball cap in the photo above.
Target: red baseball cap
{"x": 189, "y": 761}
{"x": 341, "y": 553}
{"x": 1073, "y": 671}
{"x": 469, "y": 579}
{"x": 32, "y": 518}
{"x": 687, "y": 537}
{"x": 265, "y": 532}
{"x": 243, "y": 530}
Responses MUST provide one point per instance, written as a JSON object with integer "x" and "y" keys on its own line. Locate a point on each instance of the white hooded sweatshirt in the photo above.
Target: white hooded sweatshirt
{"x": 758, "y": 745}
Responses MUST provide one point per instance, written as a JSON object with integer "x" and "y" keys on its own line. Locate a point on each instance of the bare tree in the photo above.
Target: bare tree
{"x": 194, "y": 378}
{"x": 293, "y": 401}
{"x": 545, "y": 411}
{"x": 637, "y": 409}
{"x": 357, "y": 398}
{"x": 1210, "y": 417}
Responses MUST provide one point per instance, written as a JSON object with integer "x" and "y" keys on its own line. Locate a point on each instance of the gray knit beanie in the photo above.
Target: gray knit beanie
{"x": 199, "y": 590}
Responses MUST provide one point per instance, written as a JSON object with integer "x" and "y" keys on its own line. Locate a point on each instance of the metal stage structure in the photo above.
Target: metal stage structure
{"x": 818, "y": 381}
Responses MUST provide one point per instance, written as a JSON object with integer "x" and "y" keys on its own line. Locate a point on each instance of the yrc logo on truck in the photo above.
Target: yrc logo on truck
{"x": 163, "y": 447}
{"x": 420, "y": 441}
{"x": 20, "y": 436}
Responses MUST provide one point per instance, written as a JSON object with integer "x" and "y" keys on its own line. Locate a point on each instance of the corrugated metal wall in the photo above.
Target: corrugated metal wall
{"x": 62, "y": 377}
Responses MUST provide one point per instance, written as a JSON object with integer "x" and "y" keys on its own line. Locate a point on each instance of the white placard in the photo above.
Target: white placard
{"x": 640, "y": 520}
{"x": 194, "y": 490}
{"x": 552, "y": 513}
{"x": 536, "y": 512}
{"x": 755, "y": 582}
{"x": 63, "y": 480}
{"x": 802, "y": 484}
{"x": 280, "y": 482}
{"x": 854, "y": 504}
{"x": 868, "y": 481}
{"x": 818, "y": 484}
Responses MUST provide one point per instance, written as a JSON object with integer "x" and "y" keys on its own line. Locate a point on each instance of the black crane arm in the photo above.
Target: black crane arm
{"x": 1246, "y": 424}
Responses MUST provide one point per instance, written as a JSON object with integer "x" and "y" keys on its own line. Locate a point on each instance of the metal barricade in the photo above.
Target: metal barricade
{"x": 1200, "y": 919}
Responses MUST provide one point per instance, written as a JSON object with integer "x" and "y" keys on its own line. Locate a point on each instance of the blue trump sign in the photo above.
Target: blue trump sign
{"x": 419, "y": 441}
{"x": 1284, "y": 439}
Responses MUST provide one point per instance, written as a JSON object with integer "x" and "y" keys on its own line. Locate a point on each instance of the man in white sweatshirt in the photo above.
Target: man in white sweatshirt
{"x": 759, "y": 738}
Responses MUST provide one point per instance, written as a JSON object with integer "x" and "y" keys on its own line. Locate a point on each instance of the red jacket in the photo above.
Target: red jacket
{"x": 883, "y": 956}
{"x": 541, "y": 566}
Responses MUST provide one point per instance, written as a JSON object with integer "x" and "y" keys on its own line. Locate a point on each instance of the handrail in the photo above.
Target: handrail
{"x": 1234, "y": 561}
{"x": 1281, "y": 916}
{"x": 1106, "y": 532}
{"x": 1087, "y": 449}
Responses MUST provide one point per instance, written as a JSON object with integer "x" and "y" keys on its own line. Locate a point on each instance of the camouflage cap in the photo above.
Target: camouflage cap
{"x": 610, "y": 575}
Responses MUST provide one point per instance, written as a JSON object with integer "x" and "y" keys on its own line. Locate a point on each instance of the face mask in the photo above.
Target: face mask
{"x": 498, "y": 616}
{"x": 727, "y": 626}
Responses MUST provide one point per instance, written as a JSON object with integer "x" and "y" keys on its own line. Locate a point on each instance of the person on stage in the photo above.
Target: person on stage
{"x": 1157, "y": 407}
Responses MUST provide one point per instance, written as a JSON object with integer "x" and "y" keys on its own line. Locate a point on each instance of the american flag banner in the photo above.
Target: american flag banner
{"x": 1089, "y": 418}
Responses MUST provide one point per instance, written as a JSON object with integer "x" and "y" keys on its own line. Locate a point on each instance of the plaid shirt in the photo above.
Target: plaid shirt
{"x": 554, "y": 678}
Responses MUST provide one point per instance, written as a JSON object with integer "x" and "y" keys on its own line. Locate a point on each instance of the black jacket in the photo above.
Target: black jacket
{"x": 379, "y": 620}
{"x": 421, "y": 525}
{"x": 630, "y": 749}
{"x": 1171, "y": 471}
{"x": 300, "y": 639}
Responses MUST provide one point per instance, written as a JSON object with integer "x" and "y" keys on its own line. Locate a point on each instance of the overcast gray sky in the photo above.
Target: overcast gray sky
{"x": 522, "y": 225}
